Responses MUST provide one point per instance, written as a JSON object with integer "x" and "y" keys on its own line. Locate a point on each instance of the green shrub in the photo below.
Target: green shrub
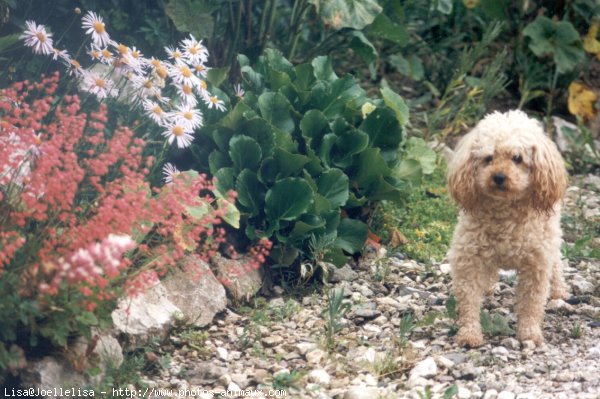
{"x": 303, "y": 148}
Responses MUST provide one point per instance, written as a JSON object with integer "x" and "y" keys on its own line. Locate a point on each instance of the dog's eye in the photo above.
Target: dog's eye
{"x": 517, "y": 159}
{"x": 488, "y": 159}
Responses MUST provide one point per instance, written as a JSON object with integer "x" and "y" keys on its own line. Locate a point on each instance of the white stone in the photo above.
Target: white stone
{"x": 222, "y": 354}
{"x": 320, "y": 376}
{"x": 464, "y": 393}
{"x": 445, "y": 268}
{"x": 444, "y": 362}
{"x": 500, "y": 351}
{"x": 490, "y": 394}
{"x": 594, "y": 353}
{"x": 304, "y": 347}
{"x": 424, "y": 369}
{"x": 362, "y": 392}
{"x": 148, "y": 313}
{"x": 506, "y": 395}
{"x": 198, "y": 294}
{"x": 315, "y": 356}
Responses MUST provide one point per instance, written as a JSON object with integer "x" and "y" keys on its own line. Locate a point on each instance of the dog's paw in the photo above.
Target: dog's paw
{"x": 469, "y": 338}
{"x": 530, "y": 333}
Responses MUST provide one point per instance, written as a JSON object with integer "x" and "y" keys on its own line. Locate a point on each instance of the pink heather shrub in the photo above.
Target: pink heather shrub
{"x": 75, "y": 207}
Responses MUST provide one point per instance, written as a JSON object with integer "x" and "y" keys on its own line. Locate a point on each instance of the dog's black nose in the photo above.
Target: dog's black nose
{"x": 499, "y": 179}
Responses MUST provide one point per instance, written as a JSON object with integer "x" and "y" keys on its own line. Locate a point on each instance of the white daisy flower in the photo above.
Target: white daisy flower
{"x": 133, "y": 59}
{"x": 60, "y": 54}
{"x": 94, "y": 25}
{"x": 180, "y": 134}
{"x": 214, "y": 102}
{"x": 239, "y": 91}
{"x": 200, "y": 69}
{"x": 95, "y": 53}
{"x": 74, "y": 68}
{"x": 188, "y": 117}
{"x": 193, "y": 51}
{"x": 175, "y": 54}
{"x": 170, "y": 172}
{"x": 155, "y": 112}
{"x": 186, "y": 93}
{"x": 145, "y": 86}
{"x": 183, "y": 75}
{"x": 100, "y": 86}
{"x": 159, "y": 68}
{"x": 36, "y": 36}
{"x": 106, "y": 57}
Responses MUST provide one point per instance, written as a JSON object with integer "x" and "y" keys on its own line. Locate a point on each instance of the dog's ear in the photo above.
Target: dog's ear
{"x": 549, "y": 176}
{"x": 461, "y": 174}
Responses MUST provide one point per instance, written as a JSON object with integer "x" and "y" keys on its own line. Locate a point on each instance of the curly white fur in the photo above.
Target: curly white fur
{"x": 509, "y": 179}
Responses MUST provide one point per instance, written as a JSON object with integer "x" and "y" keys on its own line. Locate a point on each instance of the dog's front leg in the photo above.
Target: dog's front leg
{"x": 531, "y": 295}
{"x": 470, "y": 279}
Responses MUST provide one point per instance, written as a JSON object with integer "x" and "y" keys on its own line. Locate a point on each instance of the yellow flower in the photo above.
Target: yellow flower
{"x": 367, "y": 108}
{"x": 590, "y": 43}
{"x": 470, "y": 4}
{"x": 420, "y": 233}
{"x": 582, "y": 100}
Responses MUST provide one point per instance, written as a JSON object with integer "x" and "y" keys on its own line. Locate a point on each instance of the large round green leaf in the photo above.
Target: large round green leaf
{"x": 217, "y": 161}
{"x": 225, "y": 180}
{"x": 333, "y": 185}
{"x": 259, "y": 130}
{"x": 314, "y": 125}
{"x": 244, "y": 152}
{"x": 288, "y": 199}
{"x": 288, "y": 163}
{"x": 276, "y": 109}
{"x": 383, "y": 129}
{"x": 351, "y": 235}
{"x": 355, "y": 14}
{"x": 368, "y": 166}
{"x": 250, "y": 191}
{"x": 397, "y": 103}
{"x": 559, "y": 39}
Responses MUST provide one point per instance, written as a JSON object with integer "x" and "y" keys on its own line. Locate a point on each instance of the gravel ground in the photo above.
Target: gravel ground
{"x": 395, "y": 340}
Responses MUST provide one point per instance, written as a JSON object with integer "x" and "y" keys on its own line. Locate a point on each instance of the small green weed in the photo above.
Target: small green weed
{"x": 336, "y": 309}
{"x": 386, "y": 366}
{"x": 576, "y": 331}
{"x": 426, "y": 220}
{"x": 425, "y": 393}
{"x": 494, "y": 324}
{"x": 284, "y": 381}
{"x": 407, "y": 325}
{"x": 451, "y": 392}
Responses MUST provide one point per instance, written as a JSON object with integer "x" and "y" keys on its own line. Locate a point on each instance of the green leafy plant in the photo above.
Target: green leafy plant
{"x": 494, "y": 324}
{"x": 559, "y": 40}
{"x": 334, "y": 312}
{"x": 303, "y": 156}
{"x": 576, "y": 331}
{"x": 287, "y": 380}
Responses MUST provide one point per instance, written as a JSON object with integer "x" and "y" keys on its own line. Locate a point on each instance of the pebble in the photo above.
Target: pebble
{"x": 424, "y": 369}
{"x": 362, "y": 393}
{"x": 272, "y": 341}
{"x": 506, "y": 395}
{"x": 315, "y": 356}
{"x": 320, "y": 376}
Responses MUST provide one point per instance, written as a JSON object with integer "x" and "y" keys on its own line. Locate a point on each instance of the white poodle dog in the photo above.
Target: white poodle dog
{"x": 509, "y": 179}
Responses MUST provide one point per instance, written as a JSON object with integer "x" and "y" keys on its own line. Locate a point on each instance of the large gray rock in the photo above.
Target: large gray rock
{"x": 51, "y": 373}
{"x": 198, "y": 295}
{"x": 194, "y": 296}
{"x": 241, "y": 281}
{"x": 148, "y": 314}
